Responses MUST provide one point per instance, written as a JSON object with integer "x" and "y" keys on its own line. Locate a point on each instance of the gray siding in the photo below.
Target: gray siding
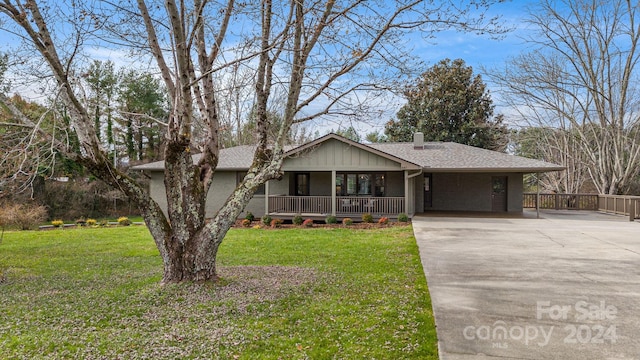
{"x": 320, "y": 184}
{"x": 394, "y": 182}
{"x": 280, "y": 187}
{"x": 157, "y": 189}
{"x": 418, "y": 193}
{"x": 224, "y": 182}
{"x": 515, "y": 190}
{"x": 336, "y": 155}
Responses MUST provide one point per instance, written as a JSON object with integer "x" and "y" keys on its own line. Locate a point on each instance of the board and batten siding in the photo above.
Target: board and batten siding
{"x": 339, "y": 156}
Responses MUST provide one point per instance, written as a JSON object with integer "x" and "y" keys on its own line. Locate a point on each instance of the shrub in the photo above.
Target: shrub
{"x": 266, "y": 220}
{"x": 30, "y": 216}
{"x": 331, "y": 219}
{"x": 402, "y": 217}
{"x": 307, "y": 223}
{"x": 367, "y": 217}
{"x": 276, "y": 223}
{"x": 383, "y": 221}
{"x": 91, "y": 222}
{"x": 81, "y": 222}
{"x": 246, "y": 223}
{"x": 24, "y": 217}
{"x": 5, "y": 217}
{"x": 57, "y": 223}
{"x": 124, "y": 221}
{"x": 297, "y": 220}
{"x": 347, "y": 221}
{"x": 257, "y": 227}
{"x": 249, "y": 216}
{"x": 104, "y": 222}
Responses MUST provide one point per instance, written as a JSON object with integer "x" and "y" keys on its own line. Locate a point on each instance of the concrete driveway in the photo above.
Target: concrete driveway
{"x": 565, "y": 286}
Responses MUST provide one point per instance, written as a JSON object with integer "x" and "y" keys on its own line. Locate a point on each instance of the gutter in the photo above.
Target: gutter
{"x": 410, "y": 176}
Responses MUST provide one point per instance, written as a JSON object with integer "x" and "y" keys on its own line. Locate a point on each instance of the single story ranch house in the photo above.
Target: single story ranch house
{"x": 333, "y": 175}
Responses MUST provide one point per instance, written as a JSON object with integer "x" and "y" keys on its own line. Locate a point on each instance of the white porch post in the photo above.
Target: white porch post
{"x": 333, "y": 193}
{"x": 266, "y": 198}
{"x": 406, "y": 192}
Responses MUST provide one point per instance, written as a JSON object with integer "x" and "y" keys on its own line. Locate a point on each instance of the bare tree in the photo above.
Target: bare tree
{"x": 582, "y": 79}
{"x": 321, "y": 54}
{"x": 558, "y": 146}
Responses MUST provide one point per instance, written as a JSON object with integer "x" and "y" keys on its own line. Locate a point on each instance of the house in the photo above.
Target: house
{"x": 333, "y": 175}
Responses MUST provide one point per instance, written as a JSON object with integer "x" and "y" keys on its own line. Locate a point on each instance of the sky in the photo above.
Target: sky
{"x": 481, "y": 52}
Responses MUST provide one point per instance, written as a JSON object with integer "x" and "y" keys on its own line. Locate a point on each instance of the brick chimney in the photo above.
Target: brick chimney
{"x": 418, "y": 141}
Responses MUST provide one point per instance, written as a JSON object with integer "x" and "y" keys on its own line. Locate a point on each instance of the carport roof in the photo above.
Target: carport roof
{"x": 432, "y": 157}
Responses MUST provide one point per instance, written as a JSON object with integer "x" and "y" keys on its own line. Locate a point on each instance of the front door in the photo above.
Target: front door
{"x": 499, "y": 193}
{"x": 428, "y": 196}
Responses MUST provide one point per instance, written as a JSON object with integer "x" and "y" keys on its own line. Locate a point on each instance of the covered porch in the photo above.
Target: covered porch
{"x": 318, "y": 194}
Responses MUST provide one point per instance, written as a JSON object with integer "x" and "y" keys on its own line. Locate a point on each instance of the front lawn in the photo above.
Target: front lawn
{"x": 284, "y": 294}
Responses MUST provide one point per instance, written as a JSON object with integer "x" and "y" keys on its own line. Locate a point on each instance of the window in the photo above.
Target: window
{"x": 241, "y": 174}
{"x": 360, "y": 184}
{"x": 352, "y": 184}
{"x": 364, "y": 184}
{"x": 340, "y": 189}
{"x": 302, "y": 184}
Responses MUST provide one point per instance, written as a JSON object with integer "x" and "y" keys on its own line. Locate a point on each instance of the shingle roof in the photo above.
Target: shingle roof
{"x": 234, "y": 158}
{"x": 448, "y": 156}
{"x": 434, "y": 156}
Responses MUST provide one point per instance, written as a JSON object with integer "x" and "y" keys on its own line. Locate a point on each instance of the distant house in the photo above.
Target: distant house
{"x": 333, "y": 175}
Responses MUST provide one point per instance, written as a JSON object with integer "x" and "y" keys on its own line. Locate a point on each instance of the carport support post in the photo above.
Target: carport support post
{"x": 537, "y": 195}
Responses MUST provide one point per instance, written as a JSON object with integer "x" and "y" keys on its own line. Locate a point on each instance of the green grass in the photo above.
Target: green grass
{"x": 284, "y": 294}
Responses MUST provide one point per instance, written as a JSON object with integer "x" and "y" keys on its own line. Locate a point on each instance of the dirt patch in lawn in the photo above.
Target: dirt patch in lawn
{"x": 241, "y": 288}
{"x": 263, "y": 283}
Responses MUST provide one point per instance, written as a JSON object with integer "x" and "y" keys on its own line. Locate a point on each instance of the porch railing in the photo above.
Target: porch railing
{"x": 321, "y": 205}
{"x": 373, "y": 205}
{"x": 300, "y": 204}
{"x": 620, "y": 204}
{"x": 561, "y": 201}
{"x": 615, "y": 204}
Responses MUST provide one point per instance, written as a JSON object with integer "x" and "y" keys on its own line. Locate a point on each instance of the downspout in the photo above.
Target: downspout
{"x": 266, "y": 198}
{"x": 406, "y": 189}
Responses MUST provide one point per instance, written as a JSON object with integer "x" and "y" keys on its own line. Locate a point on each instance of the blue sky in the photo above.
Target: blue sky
{"x": 481, "y": 52}
{"x": 478, "y": 51}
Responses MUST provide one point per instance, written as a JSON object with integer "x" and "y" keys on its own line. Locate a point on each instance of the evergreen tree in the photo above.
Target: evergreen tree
{"x": 448, "y": 103}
